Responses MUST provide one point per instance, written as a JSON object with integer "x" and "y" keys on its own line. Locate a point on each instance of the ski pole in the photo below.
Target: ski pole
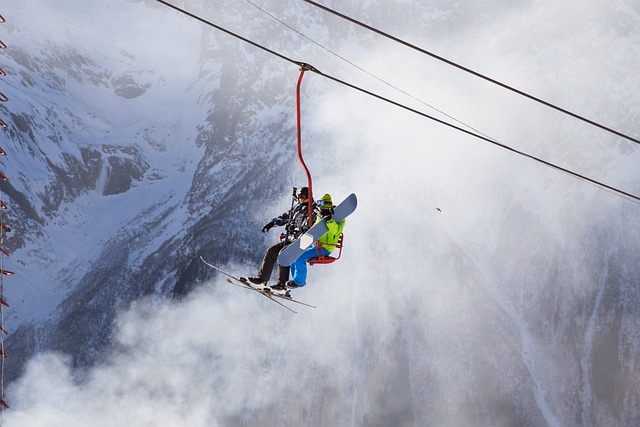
{"x": 293, "y": 200}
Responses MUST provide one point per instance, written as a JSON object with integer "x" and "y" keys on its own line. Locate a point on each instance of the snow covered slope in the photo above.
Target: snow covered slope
{"x": 140, "y": 139}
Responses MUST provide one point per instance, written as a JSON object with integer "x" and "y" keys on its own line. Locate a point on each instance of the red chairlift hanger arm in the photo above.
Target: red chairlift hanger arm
{"x": 320, "y": 259}
{"x": 303, "y": 67}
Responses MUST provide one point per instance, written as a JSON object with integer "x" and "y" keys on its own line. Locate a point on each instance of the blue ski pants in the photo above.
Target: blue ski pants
{"x": 299, "y": 266}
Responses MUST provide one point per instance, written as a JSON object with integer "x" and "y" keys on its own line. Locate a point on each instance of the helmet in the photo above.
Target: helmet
{"x": 304, "y": 191}
{"x": 325, "y": 202}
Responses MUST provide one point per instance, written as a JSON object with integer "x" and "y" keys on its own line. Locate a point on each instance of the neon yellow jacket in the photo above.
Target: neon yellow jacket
{"x": 330, "y": 238}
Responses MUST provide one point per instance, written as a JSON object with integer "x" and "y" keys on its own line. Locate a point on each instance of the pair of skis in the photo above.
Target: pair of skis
{"x": 264, "y": 292}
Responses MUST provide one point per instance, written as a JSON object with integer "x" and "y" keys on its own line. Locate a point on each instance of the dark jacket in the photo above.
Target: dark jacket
{"x": 298, "y": 222}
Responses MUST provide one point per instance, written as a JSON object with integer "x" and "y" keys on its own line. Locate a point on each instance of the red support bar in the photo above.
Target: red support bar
{"x": 3, "y": 124}
{"x": 303, "y": 68}
{"x": 2, "y": 20}
{"x": 5, "y": 252}
{"x": 4, "y": 330}
{"x": 2, "y": 45}
{"x": 2, "y": 402}
{"x": 3, "y": 97}
{"x": 2, "y": 72}
{"x": 4, "y": 153}
{"x": 3, "y": 177}
{"x": 3, "y": 354}
{"x": 5, "y": 227}
{"x": 7, "y": 272}
{"x": 4, "y": 302}
{"x": 3, "y": 205}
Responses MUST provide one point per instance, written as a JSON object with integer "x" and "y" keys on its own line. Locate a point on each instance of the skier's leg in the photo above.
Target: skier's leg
{"x": 283, "y": 274}
{"x": 269, "y": 261}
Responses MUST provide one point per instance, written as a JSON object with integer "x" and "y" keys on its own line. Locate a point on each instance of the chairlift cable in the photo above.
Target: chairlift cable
{"x": 475, "y": 73}
{"x": 362, "y": 69}
{"x": 609, "y": 188}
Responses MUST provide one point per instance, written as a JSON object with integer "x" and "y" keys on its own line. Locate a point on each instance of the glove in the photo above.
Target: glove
{"x": 268, "y": 226}
{"x": 327, "y": 214}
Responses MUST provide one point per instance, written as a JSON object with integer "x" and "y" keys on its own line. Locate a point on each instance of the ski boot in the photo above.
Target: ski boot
{"x": 255, "y": 282}
{"x": 293, "y": 285}
{"x": 280, "y": 289}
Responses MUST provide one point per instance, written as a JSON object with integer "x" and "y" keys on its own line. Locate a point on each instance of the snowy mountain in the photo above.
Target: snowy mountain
{"x": 140, "y": 138}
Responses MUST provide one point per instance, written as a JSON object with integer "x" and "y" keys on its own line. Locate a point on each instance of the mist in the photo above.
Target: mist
{"x": 476, "y": 287}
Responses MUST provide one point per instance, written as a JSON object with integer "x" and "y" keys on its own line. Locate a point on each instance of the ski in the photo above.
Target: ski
{"x": 291, "y": 253}
{"x": 247, "y": 285}
{"x": 237, "y": 282}
{"x": 266, "y": 294}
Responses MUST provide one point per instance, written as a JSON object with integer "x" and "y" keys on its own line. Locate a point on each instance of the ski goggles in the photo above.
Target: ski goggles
{"x": 323, "y": 203}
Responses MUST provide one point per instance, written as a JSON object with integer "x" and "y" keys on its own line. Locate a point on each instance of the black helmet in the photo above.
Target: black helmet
{"x": 304, "y": 191}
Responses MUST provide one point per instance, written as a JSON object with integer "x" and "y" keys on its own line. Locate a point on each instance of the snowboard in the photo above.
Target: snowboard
{"x": 291, "y": 252}
{"x": 233, "y": 280}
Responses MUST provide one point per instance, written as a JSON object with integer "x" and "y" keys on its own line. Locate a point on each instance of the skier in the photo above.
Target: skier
{"x": 324, "y": 246}
{"x": 296, "y": 223}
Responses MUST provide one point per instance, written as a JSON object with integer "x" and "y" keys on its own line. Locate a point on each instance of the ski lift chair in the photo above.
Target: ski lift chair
{"x": 327, "y": 259}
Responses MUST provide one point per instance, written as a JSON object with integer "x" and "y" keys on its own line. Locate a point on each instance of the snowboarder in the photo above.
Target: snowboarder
{"x": 324, "y": 246}
{"x": 296, "y": 223}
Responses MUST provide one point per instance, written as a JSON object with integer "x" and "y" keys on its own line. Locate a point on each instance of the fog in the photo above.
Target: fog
{"x": 474, "y": 281}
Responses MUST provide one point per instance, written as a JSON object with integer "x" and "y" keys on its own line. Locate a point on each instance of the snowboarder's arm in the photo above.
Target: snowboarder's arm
{"x": 335, "y": 227}
{"x": 331, "y": 237}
